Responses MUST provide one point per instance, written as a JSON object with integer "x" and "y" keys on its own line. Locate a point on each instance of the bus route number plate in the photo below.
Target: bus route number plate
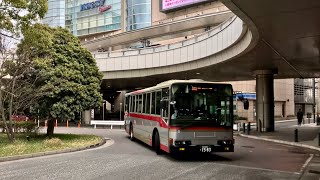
{"x": 205, "y": 149}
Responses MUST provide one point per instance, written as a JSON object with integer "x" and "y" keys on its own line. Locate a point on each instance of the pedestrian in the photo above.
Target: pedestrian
{"x": 300, "y": 117}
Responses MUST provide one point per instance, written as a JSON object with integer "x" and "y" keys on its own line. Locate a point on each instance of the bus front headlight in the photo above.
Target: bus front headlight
{"x": 183, "y": 143}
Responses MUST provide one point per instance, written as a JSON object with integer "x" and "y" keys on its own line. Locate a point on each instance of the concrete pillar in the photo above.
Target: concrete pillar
{"x": 86, "y": 116}
{"x": 265, "y": 100}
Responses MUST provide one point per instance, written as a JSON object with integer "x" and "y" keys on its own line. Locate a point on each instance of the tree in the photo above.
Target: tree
{"x": 18, "y": 14}
{"x": 68, "y": 72}
{"x": 18, "y": 81}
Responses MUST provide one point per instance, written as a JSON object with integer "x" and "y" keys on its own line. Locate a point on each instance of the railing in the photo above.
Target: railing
{"x": 211, "y": 42}
{"x": 106, "y": 122}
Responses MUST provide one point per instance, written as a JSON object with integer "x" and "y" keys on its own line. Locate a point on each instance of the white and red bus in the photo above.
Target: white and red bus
{"x": 182, "y": 116}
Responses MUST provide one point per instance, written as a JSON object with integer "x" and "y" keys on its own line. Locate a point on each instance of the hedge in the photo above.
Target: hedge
{"x": 21, "y": 126}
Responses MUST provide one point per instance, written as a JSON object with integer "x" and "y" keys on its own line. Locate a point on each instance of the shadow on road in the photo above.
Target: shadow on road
{"x": 187, "y": 157}
{"x": 193, "y": 157}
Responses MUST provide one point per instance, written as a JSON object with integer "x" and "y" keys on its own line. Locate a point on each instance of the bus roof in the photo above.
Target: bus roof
{"x": 169, "y": 83}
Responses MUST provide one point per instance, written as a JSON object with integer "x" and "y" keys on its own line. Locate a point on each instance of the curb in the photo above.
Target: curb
{"x": 25, "y": 156}
{"x": 281, "y": 142}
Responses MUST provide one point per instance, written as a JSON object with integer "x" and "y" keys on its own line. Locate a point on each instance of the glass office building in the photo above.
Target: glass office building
{"x": 138, "y": 14}
{"x": 56, "y": 13}
{"x": 85, "y": 17}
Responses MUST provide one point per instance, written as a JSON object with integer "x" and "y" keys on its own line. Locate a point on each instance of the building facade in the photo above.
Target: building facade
{"x": 56, "y": 13}
{"x": 138, "y": 14}
{"x": 283, "y": 96}
{"x": 89, "y": 17}
{"x": 306, "y": 95}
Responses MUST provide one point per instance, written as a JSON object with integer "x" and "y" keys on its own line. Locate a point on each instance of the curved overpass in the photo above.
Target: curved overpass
{"x": 279, "y": 36}
{"x": 159, "y": 30}
{"x": 269, "y": 39}
{"x": 288, "y": 34}
{"x": 192, "y": 58}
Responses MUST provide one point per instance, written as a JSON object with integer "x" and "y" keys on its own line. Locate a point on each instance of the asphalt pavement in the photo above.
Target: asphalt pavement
{"x": 289, "y": 132}
{"x": 121, "y": 158}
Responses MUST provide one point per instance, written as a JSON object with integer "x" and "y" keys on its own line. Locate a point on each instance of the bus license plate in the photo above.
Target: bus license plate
{"x": 205, "y": 149}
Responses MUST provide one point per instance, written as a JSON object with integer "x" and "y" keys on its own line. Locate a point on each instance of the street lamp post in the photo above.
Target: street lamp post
{"x": 120, "y": 110}
{"x": 314, "y": 100}
{"x": 102, "y": 111}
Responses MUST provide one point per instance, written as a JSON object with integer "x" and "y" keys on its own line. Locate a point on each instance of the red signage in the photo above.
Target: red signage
{"x": 104, "y": 8}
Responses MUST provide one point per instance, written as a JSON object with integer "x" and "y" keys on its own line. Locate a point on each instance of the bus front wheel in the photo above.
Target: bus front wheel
{"x": 157, "y": 143}
{"x": 131, "y": 133}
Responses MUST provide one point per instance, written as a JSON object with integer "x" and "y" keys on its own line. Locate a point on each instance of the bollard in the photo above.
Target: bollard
{"x": 249, "y": 128}
{"x": 67, "y": 123}
{"x": 296, "y": 135}
{"x": 244, "y": 127}
{"x": 56, "y": 123}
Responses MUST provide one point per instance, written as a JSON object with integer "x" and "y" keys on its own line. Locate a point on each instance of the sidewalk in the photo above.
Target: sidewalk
{"x": 308, "y": 137}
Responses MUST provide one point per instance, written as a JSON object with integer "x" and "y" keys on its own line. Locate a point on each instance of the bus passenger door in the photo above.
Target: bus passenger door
{"x": 164, "y": 112}
{"x": 164, "y": 109}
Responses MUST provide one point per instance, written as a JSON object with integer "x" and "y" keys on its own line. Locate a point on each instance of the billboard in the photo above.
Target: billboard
{"x": 169, "y": 5}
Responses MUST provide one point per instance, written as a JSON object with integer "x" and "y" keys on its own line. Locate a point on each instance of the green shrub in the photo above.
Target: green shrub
{"x": 21, "y": 126}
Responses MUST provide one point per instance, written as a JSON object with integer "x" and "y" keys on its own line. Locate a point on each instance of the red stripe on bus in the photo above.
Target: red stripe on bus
{"x": 164, "y": 148}
{"x": 150, "y": 118}
{"x": 201, "y": 128}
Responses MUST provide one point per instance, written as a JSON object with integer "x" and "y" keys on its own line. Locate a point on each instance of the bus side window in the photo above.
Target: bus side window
{"x": 126, "y": 105}
{"x": 153, "y": 103}
{"x": 139, "y": 103}
{"x": 147, "y": 104}
{"x": 143, "y": 103}
{"x": 133, "y": 103}
{"x": 165, "y": 99}
{"x": 158, "y": 98}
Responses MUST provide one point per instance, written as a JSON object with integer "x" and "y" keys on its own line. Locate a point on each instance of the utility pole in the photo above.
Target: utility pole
{"x": 314, "y": 100}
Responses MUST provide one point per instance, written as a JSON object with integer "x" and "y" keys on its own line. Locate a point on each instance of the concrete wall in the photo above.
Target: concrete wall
{"x": 250, "y": 113}
{"x": 284, "y": 93}
{"x": 283, "y": 96}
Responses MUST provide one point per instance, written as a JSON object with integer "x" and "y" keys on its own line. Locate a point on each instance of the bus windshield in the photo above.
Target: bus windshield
{"x": 201, "y": 104}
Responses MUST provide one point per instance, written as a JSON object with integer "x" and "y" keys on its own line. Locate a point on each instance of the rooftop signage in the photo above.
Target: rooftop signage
{"x": 168, "y": 5}
{"x": 105, "y": 8}
{"x": 92, "y": 5}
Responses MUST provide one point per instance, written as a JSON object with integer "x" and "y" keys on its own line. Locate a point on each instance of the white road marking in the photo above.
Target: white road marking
{"x": 306, "y": 163}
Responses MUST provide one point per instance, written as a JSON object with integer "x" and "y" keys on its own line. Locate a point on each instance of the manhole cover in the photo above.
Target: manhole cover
{"x": 248, "y": 147}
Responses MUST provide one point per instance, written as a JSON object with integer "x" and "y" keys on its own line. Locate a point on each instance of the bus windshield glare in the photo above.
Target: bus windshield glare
{"x": 201, "y": 105}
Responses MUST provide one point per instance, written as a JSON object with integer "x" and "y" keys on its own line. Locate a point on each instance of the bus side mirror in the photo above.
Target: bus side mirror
{"x": 246, "y": 104}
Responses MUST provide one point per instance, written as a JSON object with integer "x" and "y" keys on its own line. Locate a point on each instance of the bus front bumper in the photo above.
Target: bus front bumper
{"x": 202, "y": 148}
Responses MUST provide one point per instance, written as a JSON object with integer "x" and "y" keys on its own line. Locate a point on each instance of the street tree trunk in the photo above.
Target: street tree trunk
{"x": 50, "y": 128}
